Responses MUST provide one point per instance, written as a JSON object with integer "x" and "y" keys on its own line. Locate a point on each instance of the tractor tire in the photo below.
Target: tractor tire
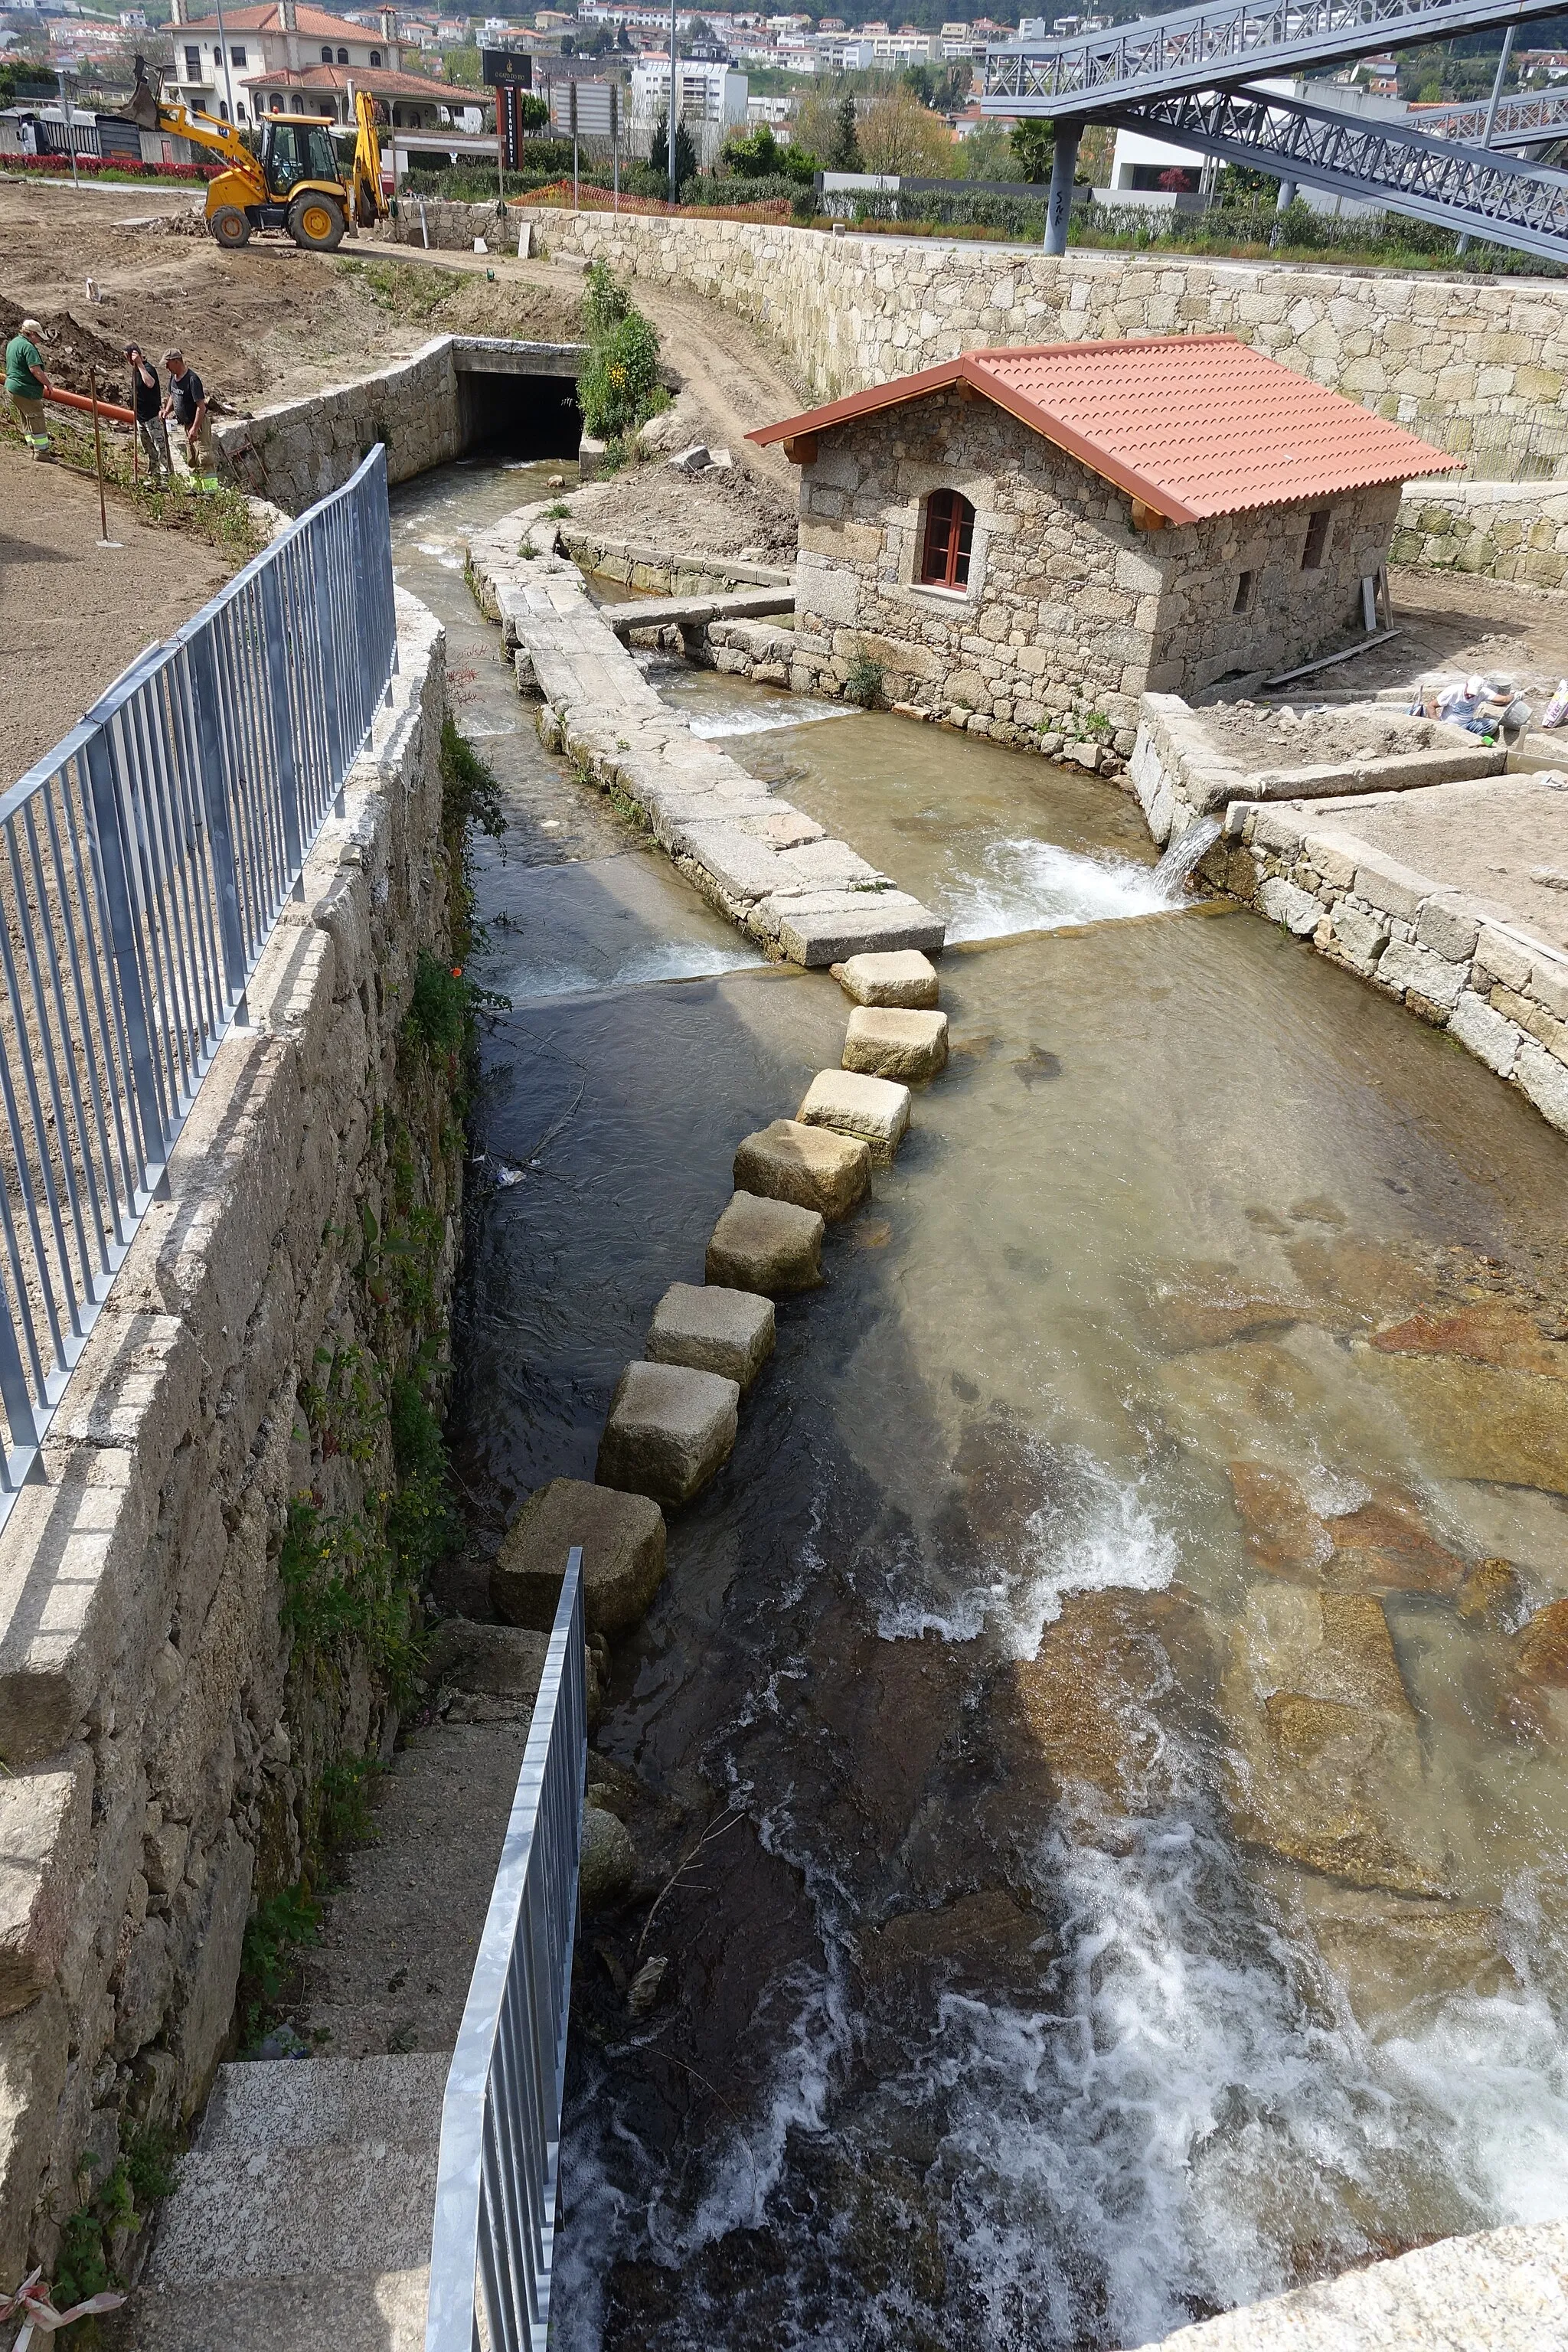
{"x": 317, "y": 224}
{"x": 230, "y": 228}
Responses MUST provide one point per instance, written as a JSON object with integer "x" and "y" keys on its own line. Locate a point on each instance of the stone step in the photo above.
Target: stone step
{"x": 294, "y": 2212}
{"x": 383, "y": 2313}
{"x": 326, "y": 2102}
{"x": 696, "y": 612}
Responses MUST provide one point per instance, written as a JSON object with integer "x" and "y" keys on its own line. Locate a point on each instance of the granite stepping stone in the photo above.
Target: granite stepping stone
{"x": 899, "y": 976}
{"x": 812, "y": 1165}
{"x": 888, "y": 1043}
{"x": 875, "y": 1109}
{"x": 622, "y": 1536}
{"x": 670, "y": 1429}
{"x": 767, "y": 1245}
{"x": 715, "y": 1330}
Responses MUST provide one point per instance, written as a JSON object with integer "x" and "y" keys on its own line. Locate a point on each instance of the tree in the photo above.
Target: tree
{"x": 685, "y": 153}
{"x": 462, "y": 65}
{"x": 898, "y": 134}
{"x": 1034, "y": 147}
{"x": 986, "y": 154}
{"x": 844, "y": 147}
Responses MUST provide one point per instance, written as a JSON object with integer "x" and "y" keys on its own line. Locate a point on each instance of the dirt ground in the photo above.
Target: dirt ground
{"x": 72, "y": 613}
{"x": 720, "y": 512}
{"x": 1502, "y": 840}
{"x": 1299, "y": 738}
{"x": 1452, "y": 625}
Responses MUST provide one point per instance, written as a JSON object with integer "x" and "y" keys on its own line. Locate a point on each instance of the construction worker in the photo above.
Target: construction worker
{"x": 27, "y": 384}
{"x": 147, "y": 407}
{"x": 187, "y": 406}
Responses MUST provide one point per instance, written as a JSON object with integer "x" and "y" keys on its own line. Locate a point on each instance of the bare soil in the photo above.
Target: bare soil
{"x": 73, "y": 615}
{"x": 723, "y": 511}
{"x": 1300, "y": 736}
{"x": 1502, "y": 840}
{"x": 1452, "y": 625}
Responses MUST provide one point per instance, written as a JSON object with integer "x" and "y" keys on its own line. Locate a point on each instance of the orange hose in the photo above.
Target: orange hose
{"x": 81, "y": 400}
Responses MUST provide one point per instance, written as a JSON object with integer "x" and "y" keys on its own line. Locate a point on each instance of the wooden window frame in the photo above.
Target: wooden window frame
{"x": 1315, "y": 547}
{"x": 953, "y": 509}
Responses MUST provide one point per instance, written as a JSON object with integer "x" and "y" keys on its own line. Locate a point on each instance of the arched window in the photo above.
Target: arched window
{"x": 949, "y": 535}
{"x": 374, "y": 58}
{"x": 277, "y": 101}
{"x": 326, "y": 57}
{"x": 298, "y": 106}
{"x": 343, "y": 56}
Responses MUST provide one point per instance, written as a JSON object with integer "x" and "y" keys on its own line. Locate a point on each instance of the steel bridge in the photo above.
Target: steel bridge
{"x": 1191, "y": 78}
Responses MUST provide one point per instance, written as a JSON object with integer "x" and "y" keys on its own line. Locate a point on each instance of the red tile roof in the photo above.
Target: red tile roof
{"x": 1189, "y": 425}
{"x": 380, "y": 81}
{"x": 315, "y": 23}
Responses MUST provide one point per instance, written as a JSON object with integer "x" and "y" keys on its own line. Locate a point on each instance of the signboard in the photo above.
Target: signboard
{"x": 585, "y": 110}
{"x": 499, "y": 67}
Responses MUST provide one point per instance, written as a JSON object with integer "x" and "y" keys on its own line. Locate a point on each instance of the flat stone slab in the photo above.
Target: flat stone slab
{"x": 767, "y": 1245}
{"x": 903, "y": 977}
{"x": 499, "y": 1661}
{"x": 817, "y": 926}
{"x": 696, "y": 612}
{"x": 812, "y": 1165}
{"x": 875, "y": 1109}
{"x": 713, "y": 1330}
{"x": 886, "y": 1042}
{"x": 670, "y": 1429}
{"x": 622, "y": 1536}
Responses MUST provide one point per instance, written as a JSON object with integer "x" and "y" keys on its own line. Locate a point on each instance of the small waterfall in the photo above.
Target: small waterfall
{"x": 1185, "y": 855}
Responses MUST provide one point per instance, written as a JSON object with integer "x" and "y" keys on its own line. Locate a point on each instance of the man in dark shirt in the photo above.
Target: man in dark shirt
{"x": 187, "y": 404}
{"x": 147, "y": 406}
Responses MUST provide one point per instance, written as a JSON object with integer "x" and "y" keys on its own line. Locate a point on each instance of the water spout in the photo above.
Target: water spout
{"x": 1185, "y": 855}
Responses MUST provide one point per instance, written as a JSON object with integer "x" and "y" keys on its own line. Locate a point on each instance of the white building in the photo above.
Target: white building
{"x": 843, "y": 53}
{"x": 281, "y": 44}
{"x": 712, "y": 101}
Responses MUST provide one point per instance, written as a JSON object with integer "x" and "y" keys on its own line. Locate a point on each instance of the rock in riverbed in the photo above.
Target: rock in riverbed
{"x": 607, "y": 1864}
{"x": 811, "y": 1166}
{"x": 875, "y": 1110}
{"x": 669, "y": 1429}
{"x": 714, "y": 1330}
{"x": 893, "y": 1043}
{"x": 622, "y": 1536}
{"x": 898, "y": 976}
{"x": 766, "y": 1246}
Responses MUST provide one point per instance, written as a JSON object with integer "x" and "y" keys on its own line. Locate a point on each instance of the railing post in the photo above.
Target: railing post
{"x": 14, "y": 1393}
{"x": 215, "y": 802}
{"x": 331, "y": 684}
{"x": 122, "y": 945}
{"x": 282, "y": 718}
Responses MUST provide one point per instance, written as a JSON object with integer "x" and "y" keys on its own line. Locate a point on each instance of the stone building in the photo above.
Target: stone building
{"x": 1022, "y": 535}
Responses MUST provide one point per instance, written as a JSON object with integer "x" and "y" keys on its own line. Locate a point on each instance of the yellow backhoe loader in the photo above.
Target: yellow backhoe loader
{"x": 293, "y": 181}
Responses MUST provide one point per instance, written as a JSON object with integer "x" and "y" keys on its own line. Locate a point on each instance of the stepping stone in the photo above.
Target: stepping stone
{"x": 767, "y": 1245}
{"x": 890, "y": 1044}
{"x": 811, "y": 1166}
{"x": 501, "y": 1661}
{"x": 622, "y": 1536}
{"x": 902, "y": 976}
{"x": 875, "y": 1110}
{"x": 670, "y": 1429}
{"x": 715, "y": 1330}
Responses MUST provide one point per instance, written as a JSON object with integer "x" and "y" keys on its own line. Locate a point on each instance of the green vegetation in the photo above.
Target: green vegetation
{"x": 619, "y": 388}
{"x": 95, "y": 2236}
{"x": 436, "y": 1018}
{"x": 220, "y": 518}
{"x": 864, "y": 683}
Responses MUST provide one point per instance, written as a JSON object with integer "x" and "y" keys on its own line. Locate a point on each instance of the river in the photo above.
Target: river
{"x": 1106, "y": 1836}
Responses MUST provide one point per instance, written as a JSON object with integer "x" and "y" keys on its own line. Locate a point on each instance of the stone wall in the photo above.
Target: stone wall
{"x": 1498, "y": 990}
{"x": 1508, "y": 530}
{"x": 1068, "y": 608}
{"x": 296, "y": 452}
{"x": 847, "y": 311}
{"x": 436, "y": 225}
{"x": 175, "y": 1691}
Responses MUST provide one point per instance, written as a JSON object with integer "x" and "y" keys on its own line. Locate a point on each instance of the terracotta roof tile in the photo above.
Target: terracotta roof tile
{"x": 314, "y": 24}
{"x": 1191, "y": 424}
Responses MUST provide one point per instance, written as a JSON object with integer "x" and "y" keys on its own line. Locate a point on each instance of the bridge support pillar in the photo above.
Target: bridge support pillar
{"x": 1286, "y": 195}
{"x": 1063, "y": 163}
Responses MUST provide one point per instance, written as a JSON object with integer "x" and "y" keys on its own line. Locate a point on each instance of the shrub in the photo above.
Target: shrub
{"x": 864, "y": 683}
{"x": 605, "y": 301}
{"x": 616, "y": 389}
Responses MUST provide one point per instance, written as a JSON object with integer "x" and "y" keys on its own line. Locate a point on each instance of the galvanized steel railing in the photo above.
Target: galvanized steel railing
{"x": 144, "y": 863}
{"x": 492, "y": 2247}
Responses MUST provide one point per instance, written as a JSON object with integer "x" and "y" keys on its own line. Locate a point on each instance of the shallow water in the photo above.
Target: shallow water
{"x": 1034, "y": 1632}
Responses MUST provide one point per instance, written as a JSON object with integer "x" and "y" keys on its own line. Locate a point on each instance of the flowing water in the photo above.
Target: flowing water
{"x": 1105, "y": 1823}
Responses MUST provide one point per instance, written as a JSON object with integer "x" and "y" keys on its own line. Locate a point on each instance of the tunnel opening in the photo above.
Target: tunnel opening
{"x": 516, "y": 416}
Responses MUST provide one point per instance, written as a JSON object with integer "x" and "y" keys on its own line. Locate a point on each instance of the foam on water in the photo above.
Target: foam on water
{"x": 664, "y": 960}
{"x": 1029, "y": 885}
{"x": 764, "y": 719}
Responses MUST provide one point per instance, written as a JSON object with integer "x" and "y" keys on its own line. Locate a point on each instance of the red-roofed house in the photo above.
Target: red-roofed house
{"x": 285, "y": 46}
{"x": 1024, "y": 533}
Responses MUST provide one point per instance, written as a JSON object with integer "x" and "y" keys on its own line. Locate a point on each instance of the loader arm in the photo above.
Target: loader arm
{"x": 367, "y": 202}
{"x": 148, "y": 111}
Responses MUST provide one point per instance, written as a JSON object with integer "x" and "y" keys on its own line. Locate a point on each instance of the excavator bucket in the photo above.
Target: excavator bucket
{"x": 143, "y": 107}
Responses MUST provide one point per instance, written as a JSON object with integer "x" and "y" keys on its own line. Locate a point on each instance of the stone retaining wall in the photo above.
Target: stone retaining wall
{"x": 302, "y": 449}
{"x": 847, "y": 311}
{"x": 1502, "y": 994}
{"x": 167, "y": 1714}
{"x": 1507, "y": 530}
{"x": 450, "y": 227}
{"x": 660, "y": 571}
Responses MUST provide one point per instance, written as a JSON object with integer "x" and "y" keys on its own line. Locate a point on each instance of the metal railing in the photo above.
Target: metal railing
{"x": 144, "y": 863}
{"x": 493, "y": 2243}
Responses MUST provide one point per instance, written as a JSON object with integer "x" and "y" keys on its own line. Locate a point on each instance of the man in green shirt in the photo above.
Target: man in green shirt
{"x": 26, "y": 384}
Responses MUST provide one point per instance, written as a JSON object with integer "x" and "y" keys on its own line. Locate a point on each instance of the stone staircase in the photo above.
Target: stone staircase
{"x": 303, "y": 2214}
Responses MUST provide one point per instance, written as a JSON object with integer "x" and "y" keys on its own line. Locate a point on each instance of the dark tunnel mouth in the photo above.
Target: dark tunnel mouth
{"x": 512, "y": 416}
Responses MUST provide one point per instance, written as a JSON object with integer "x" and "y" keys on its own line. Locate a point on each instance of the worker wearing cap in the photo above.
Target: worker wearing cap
{"x": 26, "y": 384}
{"x": 147, "y": 407}
{"x": 187, "y": 404}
